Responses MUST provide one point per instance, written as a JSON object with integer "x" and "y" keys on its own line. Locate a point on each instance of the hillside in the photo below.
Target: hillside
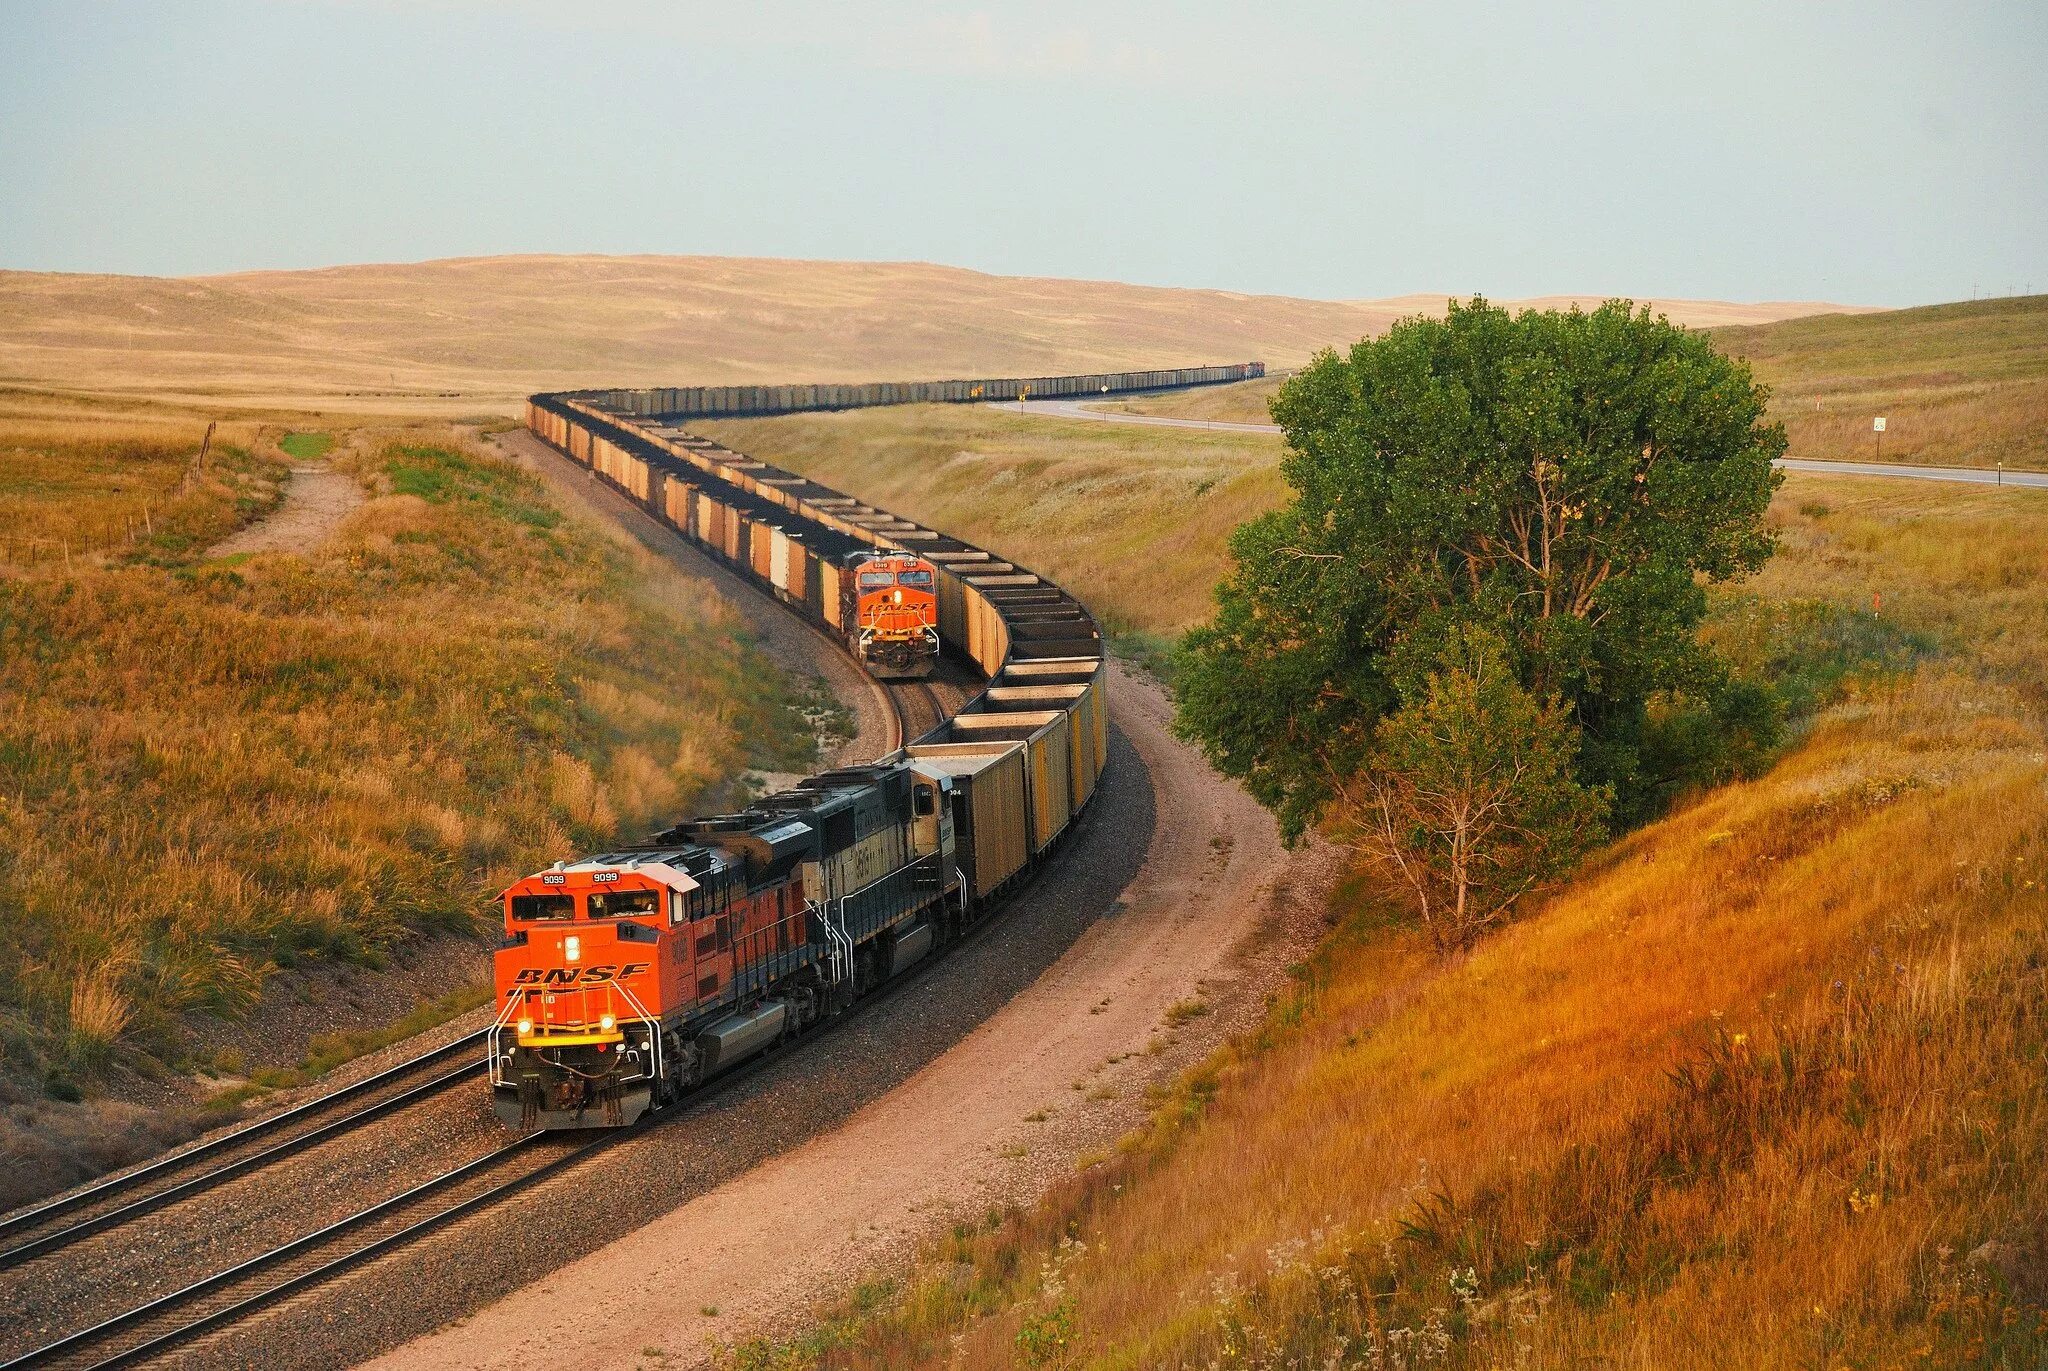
{"x": 471, "y": 335}
{"x": 1959, "y": 385}
{"x": 1760, "y": 1088}
{"x": 217, "y": 767}
{"x": 1684, "y": 1115}
{"x": 1963, "y": 384}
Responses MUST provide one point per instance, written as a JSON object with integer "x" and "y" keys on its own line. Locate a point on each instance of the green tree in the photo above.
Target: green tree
{"x": 1467, "y": 798}
{"x": 1570, "y": 481}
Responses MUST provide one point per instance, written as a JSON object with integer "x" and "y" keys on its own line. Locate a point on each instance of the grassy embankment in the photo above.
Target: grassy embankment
{"x": 1959, "y": 385}
{"x": 1761, "y": 1088}
{"x": 210, "y": 769}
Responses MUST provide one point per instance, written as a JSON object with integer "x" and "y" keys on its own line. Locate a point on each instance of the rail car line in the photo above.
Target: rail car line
{"x": 52, "y": 1228}
{"x": 219, "y": 1301}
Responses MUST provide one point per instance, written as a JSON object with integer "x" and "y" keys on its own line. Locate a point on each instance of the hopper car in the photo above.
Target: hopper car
{"x": 628, "y": 976}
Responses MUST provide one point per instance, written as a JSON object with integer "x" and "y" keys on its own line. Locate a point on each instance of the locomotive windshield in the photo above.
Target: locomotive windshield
{"x": 921, "y": 579}
{"x": 543, "y": 906}
{"x": 617, "y": 904}
{"x": 875, "y": 580}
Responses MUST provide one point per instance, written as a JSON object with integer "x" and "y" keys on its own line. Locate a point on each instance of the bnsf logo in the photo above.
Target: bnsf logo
{"x": 579, "y": 975}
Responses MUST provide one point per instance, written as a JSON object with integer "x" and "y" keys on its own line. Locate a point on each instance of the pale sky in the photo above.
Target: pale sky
{"x": 1875, "y": 153}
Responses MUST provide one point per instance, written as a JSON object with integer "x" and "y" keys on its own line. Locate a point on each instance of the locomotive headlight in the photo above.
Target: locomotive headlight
{"x": 607, "y": 1022}
{"x": 572, "y": 948}
{"x": 525, "y": 1027}
{"x": 899, "y": 597}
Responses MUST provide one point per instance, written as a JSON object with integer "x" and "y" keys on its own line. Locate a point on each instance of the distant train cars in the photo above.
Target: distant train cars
{"x": 628, "y": 976}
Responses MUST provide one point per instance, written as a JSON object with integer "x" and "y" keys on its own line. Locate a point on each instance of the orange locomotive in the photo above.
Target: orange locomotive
{"x": 627, "y": 977}
{"x": 892, "y": 613}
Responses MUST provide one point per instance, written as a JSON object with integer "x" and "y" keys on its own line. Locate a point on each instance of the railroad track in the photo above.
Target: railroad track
{"x": 226, "y": 1298}
{"x": 52, "y": 1228}
{"x": 917, "y": 709}
{"x": 234, "y": 1294}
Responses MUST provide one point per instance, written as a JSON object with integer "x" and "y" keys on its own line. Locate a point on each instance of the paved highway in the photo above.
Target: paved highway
{"x": 1077, "y": 409}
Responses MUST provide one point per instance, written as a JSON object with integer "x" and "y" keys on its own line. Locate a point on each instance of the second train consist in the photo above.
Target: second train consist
{"x": 628, "y": 976}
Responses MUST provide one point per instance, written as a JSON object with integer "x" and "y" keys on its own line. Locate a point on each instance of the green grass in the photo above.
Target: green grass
{"x": 306, "y": 447}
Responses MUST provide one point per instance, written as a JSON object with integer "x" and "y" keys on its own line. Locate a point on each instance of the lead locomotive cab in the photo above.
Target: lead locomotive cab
{"x": 891, "y": 613}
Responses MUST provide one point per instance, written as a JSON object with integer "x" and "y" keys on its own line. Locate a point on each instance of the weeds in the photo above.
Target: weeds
{"x": 1761, "y": 1087}
{"x": 211, "y": 770}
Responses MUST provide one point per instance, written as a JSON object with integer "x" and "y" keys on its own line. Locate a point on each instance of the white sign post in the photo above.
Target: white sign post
{"x": 1877, "y": 429}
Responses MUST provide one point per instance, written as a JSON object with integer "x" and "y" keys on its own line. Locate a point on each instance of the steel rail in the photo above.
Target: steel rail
{"x": 176, "y": 1162}
{"x": 80, "y": 1342}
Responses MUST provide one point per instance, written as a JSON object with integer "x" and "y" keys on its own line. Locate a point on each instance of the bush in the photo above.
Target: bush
{"x": 1467, "y": 800}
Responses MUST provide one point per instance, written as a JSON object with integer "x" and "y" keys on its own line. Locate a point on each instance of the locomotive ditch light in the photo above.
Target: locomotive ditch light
{"x": 607, "y": 1022}
{"x": 525, "y": 1027}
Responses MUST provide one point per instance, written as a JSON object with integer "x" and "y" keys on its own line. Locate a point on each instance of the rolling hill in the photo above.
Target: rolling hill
{"x": 470, "y": 334}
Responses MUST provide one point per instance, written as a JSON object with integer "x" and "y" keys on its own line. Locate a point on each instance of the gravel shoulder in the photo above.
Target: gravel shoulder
{"x": 1215, "y": 909}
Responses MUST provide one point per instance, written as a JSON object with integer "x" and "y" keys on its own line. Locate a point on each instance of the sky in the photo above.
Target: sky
{"x": 1874, "y": 153}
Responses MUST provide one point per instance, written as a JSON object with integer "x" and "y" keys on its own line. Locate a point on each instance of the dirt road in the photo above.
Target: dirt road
{"x": 315, "y": 503}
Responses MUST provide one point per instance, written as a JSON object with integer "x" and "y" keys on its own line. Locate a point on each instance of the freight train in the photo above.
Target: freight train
{"x": 628, "y": 976}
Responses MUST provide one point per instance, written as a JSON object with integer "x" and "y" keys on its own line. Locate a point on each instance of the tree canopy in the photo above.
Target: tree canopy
{"x": 1566, "y": 481}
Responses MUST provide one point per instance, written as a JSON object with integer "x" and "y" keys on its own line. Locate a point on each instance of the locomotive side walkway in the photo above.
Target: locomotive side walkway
{"x": 1079, "y": 409}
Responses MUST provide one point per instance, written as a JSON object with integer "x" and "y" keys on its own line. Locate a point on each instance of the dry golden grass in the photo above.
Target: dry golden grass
{"x": 1959, "y": 385}
{"x": 1242, "y": 402}
{"x": 1761, "y": 1088}
{"x": 469, "y": 335}
{"x": 73, "y": 493}
{"x": 211, "y": 768}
